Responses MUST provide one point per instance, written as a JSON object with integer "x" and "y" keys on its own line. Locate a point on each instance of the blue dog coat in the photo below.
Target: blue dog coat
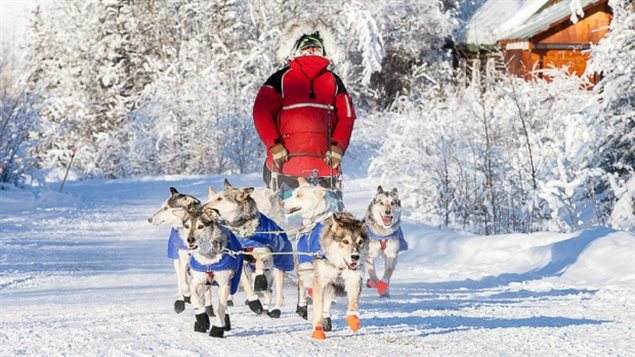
{"x": 398, "y": 234}
{"x": 277, "y": 242}
{"x": 227, "y": 262}
{"x": 309, "y": 242}
{"x": 175, "y": 243}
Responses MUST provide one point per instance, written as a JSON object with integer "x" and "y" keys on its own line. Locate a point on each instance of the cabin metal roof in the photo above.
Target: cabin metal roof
{"x": 541, "y": 21}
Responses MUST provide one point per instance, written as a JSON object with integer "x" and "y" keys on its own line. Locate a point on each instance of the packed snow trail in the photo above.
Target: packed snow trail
{"x": 85, "y": 274}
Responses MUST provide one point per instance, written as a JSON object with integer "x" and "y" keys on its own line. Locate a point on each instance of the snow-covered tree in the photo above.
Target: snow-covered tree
{"x": 614, "y": 59}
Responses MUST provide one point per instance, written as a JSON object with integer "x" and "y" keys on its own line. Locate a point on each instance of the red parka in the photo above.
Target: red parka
{"x": 307, "y": 109}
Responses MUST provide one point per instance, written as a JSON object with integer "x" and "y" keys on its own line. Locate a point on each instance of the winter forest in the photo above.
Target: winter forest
{"x": 158, "y": 87}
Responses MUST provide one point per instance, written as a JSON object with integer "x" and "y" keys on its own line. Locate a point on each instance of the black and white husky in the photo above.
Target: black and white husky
{"x": 268, "y": 251}
{"x": 177, "y": 246}
{"x": 383, "y": 219}
{"x": 215, "y": 258}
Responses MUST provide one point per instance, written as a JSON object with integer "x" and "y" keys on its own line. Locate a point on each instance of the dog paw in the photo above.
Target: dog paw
{"x": 202, "y": 322}
{"x": 318, "y": 333}
{"x": 179, "y": 306}
{"x": 210, "y": 311}
{"x": 302, "y": 311}
{"x": 371, "y": 284}
{"x": 187, "y": 299}
{"x": 382, "y": 287}
{"x": 327, "y": 323}
{"x": 353, "y": 322}
{"x": 260, "y": 283}
{"x": 255, "y": 306}
{"x": 217, "y": 331}
{"x": 228, "y": 323}
{"x": 274, "y": 314}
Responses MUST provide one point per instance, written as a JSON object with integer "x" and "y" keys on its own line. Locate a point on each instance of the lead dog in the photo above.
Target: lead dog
{"x": 383, "y": 219}
{"x": 177, "y": 249}
{"x": 343, "y": 250}
{"x": 260, "y": 237}
{"x": 213, "y": 260}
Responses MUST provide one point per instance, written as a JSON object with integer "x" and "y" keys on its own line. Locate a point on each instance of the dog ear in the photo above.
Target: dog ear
{"x": 173, "y": 191}
{"x": 245, "y": 193}
{"x": 338, "y": 219}
{"x": 181, "y": 213}
{"x": 394, "y": 193}
{"x": 211, "y": 193}
{"x": 210, "y": 214}
{"x": 227, "y": 184}
{"x": 380, "y": 189}
{"x": 195, "y": 201}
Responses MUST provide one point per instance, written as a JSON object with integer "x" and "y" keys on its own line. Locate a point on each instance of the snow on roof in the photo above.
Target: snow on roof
{"x": 542, "y": 20}
{"x": 489, "y": 21}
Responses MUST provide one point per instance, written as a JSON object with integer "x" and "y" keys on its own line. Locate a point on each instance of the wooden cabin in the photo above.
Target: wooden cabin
{"x": 529, "y": 36}
{"x": 549, "y": 38}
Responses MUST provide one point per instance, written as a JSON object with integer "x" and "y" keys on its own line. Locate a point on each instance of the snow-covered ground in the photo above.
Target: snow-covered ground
{"x": 83, "y": 273}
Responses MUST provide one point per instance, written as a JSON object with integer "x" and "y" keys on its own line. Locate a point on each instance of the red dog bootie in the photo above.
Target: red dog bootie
{"x": 370, "y": 284}
{"x": 382, "y": 288}
{"x": 318, "y": 333}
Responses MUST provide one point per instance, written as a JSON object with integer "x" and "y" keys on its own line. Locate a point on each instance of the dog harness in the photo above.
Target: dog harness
{"x": 175, "y": 243}
{"x": 227, "y": 262}
{"x": 278, "y": 242}
{"x": 398, "y": 234}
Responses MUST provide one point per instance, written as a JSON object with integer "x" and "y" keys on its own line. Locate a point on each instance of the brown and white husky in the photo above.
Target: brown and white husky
{"x": 260, "y": 237}
{"x": 340, "y": 262}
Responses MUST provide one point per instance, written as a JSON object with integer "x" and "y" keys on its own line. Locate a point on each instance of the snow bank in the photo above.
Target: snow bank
{"x": 595, "y": 257}
{"x": 17, "y": 200}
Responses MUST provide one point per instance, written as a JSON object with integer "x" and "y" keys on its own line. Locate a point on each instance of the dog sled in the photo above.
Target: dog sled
{"x": 283, "y": 184}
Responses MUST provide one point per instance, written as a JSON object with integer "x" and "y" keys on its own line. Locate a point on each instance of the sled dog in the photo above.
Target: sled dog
{"x": 259, "y": 237}
{"x": 177, "y": 249}
{"x": 212, "y": 260}
{"x": 343, "y": 251}
{"x": 311, "y": 203}
{"x": 383, "y": 219}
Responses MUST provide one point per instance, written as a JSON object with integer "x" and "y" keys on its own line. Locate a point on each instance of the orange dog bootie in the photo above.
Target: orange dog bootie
{"x": 353, "y": 322}
{"x": 318, "y": 333}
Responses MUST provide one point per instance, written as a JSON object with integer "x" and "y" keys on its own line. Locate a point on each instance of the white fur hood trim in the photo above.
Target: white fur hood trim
{"x": 295, "y": 29}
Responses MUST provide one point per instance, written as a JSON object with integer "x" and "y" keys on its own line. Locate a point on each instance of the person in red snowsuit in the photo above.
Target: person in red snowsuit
{"x": 304, "y": 117}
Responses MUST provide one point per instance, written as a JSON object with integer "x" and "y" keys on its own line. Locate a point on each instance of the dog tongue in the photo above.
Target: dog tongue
{"x": 387, "y": 220}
